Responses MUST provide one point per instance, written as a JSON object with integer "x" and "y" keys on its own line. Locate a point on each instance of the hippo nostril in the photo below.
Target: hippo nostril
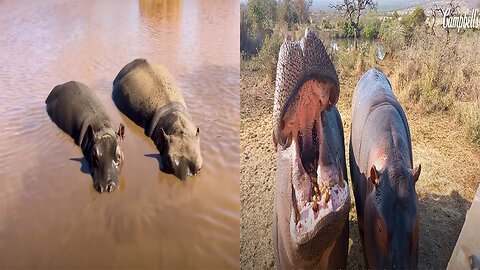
{"x": 197, "y": 168}
{"x": 111, "y": 187}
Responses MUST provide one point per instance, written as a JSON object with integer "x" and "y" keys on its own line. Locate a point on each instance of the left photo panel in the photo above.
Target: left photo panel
{"x": 119, "y": 134}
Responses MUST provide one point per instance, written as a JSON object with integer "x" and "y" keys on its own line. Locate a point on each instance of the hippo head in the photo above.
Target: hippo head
{"x": 306, "y": 133}
{"x": 391, "y": 218}
{"x": 105, "y": 158}
{"x": 179, "y": 146}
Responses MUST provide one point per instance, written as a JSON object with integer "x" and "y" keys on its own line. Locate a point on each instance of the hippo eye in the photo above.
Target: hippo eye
{"x": 95, "y": 156}
{"x": 118, "y": 154}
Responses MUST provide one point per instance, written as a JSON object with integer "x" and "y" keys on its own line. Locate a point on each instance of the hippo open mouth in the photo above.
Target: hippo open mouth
{"x": 320, "y": 193}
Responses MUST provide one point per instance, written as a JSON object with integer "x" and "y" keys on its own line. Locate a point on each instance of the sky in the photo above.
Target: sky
{"x": 383, "y": 5}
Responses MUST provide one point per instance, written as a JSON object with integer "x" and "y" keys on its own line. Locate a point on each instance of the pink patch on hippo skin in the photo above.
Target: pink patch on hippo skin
{"x": 378, "y": 157}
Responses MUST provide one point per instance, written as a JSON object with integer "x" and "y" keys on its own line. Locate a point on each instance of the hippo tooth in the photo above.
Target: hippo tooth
{"x": 315, "y": 206}
{"x": 327, "y": 197}
{"x": 296, "y": 214}
{"x": 340, "y": 180}
{"x": 323, "y": 189}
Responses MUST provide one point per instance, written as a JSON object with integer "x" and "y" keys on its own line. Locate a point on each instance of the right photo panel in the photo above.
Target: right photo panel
{"x": 359, "y": 134}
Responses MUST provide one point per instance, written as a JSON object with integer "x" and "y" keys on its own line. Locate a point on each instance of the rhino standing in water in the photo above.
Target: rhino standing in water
{"x": 146, "y": 94}
{"x": 77, "y": 111}
{"x": 312, "y": 198}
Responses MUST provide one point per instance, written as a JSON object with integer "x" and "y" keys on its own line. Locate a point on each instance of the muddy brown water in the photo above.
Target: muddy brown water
{"x": 50, "y": 214}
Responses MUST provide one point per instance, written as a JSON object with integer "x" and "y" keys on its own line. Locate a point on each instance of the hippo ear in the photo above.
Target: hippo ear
{"x": 416, "y": 172}
{"x": 374, "y": 175}
{"x": 90, "y": 135}
{"x": 121, "y": 131}
{"x": 162, "y": 138}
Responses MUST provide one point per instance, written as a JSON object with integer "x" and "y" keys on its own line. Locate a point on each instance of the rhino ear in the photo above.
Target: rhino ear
{"x": 416, "y": 172}
{"x": 162, "y": 138}
{"x": 121, "y": 131}
{"x": 373, "y": 177}
{"x": 90, "y": 134}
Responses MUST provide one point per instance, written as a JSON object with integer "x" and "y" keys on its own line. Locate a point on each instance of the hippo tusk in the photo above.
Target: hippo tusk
{"x": 340, "y": 177}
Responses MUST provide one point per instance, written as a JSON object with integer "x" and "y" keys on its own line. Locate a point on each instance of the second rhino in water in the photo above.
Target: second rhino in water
{"x": 383, "y": 176}
{"x": 147, "y": 95}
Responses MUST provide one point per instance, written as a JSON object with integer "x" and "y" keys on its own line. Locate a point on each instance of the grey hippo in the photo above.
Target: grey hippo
{"x": 147, "y": 95}
{"x": 383, "y": 176}
{"x": 75, "y": 109}
{"x": 312, "y": 198}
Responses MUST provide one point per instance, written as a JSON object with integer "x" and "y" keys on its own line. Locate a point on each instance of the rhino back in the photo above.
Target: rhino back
{"x": 140, "y": 89}
{"x": 73, "y": 106}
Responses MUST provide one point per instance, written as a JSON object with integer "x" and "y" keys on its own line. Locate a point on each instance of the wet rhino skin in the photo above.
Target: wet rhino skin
{"x": 147, "y": 95}
{"x": 75, "y": 109}
{"x": 383, "y": 177}
{"x": 306, "y": 92}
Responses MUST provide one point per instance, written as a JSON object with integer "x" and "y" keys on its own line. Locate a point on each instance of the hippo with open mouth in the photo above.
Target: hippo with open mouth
{"x": 75, "y": 109}
{"x": 312, "y": 198}
{"x": 383, "y": 177}
{"x": 147, "y": 94}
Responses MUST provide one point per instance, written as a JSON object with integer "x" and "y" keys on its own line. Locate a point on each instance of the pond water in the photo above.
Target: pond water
{"x": 363, "y": 44}
{"x": 50, "y": 214}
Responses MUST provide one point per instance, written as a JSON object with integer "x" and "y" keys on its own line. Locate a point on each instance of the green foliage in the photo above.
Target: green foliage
{"x": 266, "y": 60}
{"x": 291, "y": 12}
{"x": 392, "y": 32}
{"x": 286, "y": 13}
{"x": 413, "y": 21}
{"x": 325, "y": 24}
{"x": 301, "y": 8}
{"x": 348, "y": 31}
{"x": 371, "y": 25}
{"x": 395, "y": 15}
{"x": 262, "y": 15}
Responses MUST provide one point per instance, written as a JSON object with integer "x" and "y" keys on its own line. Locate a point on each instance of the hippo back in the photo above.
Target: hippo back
{"x": 73, "y": 107}
{"x": 372, "y": 92}
{"x": 140, "y": 89}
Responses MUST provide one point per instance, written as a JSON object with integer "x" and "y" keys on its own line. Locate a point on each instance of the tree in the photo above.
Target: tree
{"x": 371, "y": 25}
{"x": 413, "y": 21}
{"x": 286, "y": 13}
{"x": 302, "y": 9}
{"x": 294, "y": 11}
{"x": 452, "y": 6}
{"x": 395, "y": 15}
{"x": 262, "y": 14}
{"x": 352, "y": 10}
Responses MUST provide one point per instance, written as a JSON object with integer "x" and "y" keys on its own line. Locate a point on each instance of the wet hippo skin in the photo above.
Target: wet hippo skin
{"x": 312, "y": 199}
{"x": 147, "y": 94}
{"x": 383, "y": 177}
{"x": 77, "y": 111}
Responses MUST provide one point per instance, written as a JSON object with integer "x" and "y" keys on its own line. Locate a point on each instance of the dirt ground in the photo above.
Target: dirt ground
{"x": 447, "y": 184}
